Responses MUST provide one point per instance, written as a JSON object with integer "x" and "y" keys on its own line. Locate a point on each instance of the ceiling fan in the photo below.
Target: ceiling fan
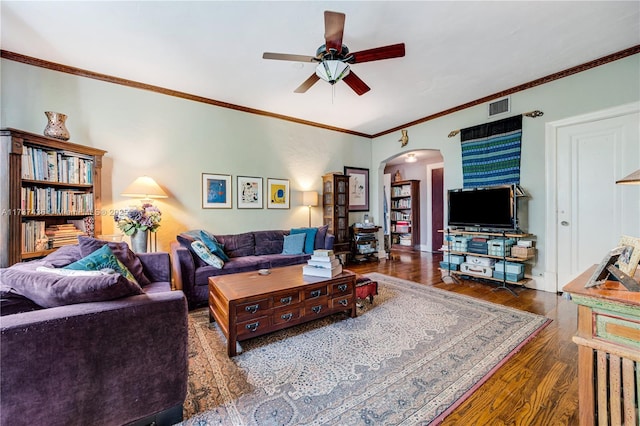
{"x": 333, "y": 57}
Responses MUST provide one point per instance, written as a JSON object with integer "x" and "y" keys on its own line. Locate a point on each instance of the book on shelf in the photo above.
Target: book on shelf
{"x": 321, "y": 272}
{"x": 327, "y": 264}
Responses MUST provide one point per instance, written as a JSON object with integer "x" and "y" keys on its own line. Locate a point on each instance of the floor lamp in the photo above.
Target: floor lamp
{"x": 310, "y": 199}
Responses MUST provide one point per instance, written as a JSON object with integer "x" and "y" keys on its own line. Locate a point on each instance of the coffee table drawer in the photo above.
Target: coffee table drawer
{"x": 341, "y": 288}
{"x": 317, "y": 306}
{"x": 315, "y": 292}
{"x": 342, "y": 302}
{"x": 254, "y": 308}
{"x": 286, "y": 299}
{"x": 286, "y": 314}
{"x": 254, "y": 325}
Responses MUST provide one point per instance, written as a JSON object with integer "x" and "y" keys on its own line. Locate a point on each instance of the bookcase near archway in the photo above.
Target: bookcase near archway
{"x": 404, "y": 214}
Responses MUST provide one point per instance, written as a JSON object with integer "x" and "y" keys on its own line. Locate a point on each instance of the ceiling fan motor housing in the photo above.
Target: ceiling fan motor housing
{"x": 325, "y": 54}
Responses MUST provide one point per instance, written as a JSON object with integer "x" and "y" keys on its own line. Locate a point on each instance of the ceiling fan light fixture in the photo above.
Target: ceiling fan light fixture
{"x": 332, "y": 71}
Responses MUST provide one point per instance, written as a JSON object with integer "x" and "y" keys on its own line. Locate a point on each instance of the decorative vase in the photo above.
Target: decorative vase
{"x": 139, "y": 241}
{"x": 55, "y": 126}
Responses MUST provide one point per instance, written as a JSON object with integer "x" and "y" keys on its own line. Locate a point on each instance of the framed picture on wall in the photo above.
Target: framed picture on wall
{"x": 249, "y": 192}
{"x": 216, "y": 191}
{"x": 358, "y": 188}
{"x": 277, "y": 193}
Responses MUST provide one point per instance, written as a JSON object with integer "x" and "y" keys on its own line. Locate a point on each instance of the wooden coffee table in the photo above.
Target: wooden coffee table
{"x": 248, "y": 304}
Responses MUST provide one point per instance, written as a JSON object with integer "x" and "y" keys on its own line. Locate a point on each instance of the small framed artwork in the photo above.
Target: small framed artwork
{"x": 216, "y": 191}
{"x": 601, "y": 273}
{"x": 249, "y": 192}
{"x": 278, "y": 193}
{"x": 358, "y": 188}
{"x": 630, "y": 256}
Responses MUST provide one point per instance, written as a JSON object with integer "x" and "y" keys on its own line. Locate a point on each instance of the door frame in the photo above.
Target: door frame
{"x": 429, "y": 191}
{"x": 551, "y": 162}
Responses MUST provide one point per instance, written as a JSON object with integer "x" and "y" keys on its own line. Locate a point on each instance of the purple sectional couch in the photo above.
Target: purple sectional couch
{"x": 247, "y": 251}
{"x": 112, "y": 362}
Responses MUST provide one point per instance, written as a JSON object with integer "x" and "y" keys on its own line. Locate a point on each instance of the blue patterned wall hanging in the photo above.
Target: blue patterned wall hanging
{"x": 491, "y": 153}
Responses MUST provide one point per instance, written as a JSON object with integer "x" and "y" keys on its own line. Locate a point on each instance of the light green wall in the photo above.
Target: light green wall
{"x": 599, "y": 88}
{"x": 174, "y": 141}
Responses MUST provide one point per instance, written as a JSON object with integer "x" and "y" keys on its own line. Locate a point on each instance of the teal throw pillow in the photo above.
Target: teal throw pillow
{"x": 310, "y": 238}
{"x": 205, "y": 254}
{"x": 293, "y": 244}
{"x": 213, "y": 245}
{"x": 103, "y": 258}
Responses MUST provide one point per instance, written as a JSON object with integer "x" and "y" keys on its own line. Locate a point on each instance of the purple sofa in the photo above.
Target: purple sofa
{"x": 247, "y": 251}
{"x": 112, "y": 362}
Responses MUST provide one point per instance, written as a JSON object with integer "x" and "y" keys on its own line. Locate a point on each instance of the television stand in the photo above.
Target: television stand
{"x": 457, "y": 247}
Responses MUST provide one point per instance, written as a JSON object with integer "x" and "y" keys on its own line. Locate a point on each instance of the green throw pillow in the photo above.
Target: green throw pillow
{"x": 205, "y": 254}
{"x": 293, "y": 244}
{"x": 103, "y": 258}
{"x": 310, "y": 239}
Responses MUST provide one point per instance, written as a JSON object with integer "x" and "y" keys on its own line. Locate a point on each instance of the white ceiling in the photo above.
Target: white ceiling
{"x": 456, "y": 52}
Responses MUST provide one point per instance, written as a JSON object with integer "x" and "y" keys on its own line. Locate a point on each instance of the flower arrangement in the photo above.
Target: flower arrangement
{"x": 146, "y": 217}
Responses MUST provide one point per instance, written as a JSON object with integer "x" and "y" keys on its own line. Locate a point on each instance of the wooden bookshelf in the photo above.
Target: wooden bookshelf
{"x": 44, "y": 182}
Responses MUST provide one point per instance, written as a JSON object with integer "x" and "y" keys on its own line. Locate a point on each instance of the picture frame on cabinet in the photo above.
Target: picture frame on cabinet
{"x": 278, "y": 193}
{"x": 358, "y": 188}
{"x": 216, "y": 191}
{"x": 600, "y": 274}
{"x": 249, "y": 190}
{"x": 630, "y": 255}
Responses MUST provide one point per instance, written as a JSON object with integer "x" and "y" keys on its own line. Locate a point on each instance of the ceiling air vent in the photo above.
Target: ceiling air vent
{"x": 499, "y": 107}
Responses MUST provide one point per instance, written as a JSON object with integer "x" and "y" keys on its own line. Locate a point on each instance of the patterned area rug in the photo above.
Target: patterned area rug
{"x": 409, "y": 358}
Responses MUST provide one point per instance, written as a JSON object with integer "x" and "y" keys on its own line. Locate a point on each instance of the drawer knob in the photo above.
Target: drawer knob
{"x": 343, "y": 302}
{"x": 316, "y": 309}
{"x": 253, "y": 326}
{"x": 287, "y": 316}
{"x": 316, "y": 293}
{"x": 342, "y": 287}
{"x": 286, "y": 300}
{"x": 252, "y": 308}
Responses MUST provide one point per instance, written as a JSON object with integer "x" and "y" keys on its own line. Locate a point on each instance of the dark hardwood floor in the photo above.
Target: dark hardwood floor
{"x": 539, "y": 384}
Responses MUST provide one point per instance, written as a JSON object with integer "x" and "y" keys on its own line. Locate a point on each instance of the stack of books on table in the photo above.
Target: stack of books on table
{"x": 62, "y": 235}
{"x": 323, "y": 263}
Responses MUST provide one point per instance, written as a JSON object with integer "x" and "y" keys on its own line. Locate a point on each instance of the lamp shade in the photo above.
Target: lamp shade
{"x": 632, "y": 179}
{"x": 310, "y": 198}
{"x": 144, "y": 187}
{"x": 332, "y": 71}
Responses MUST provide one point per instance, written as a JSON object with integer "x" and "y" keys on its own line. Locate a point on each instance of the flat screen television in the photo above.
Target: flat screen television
{"x": 489, "y": 207}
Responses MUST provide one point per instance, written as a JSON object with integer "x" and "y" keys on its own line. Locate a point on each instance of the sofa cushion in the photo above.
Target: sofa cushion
{"x": 238, "y": 245}
{"x": 213, "y": 245}
{"x": 64, "y": 256}
{"x": 320, "y": 237}
{"x": 13, "y": 303}
{"x": 234, "y": 265}
{"x": 185, "y": 241}
{"x": 310, "y": 239}
{"x": 279, "y": 260}
{"x": 51, "y": 290}
{"x": 294, "y": 244}
{"x": 205, "y": 254}
{"x": 121, "y": 250}
{"x": 103, "y": 258}
{"x": 269, "y": 242}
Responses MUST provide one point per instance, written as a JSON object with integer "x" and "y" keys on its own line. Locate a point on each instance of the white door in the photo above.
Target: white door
{"x": 592, "y": 211}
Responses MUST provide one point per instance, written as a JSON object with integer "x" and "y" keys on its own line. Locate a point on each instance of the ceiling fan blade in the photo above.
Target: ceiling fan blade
{"x": 378, "y": 53}
{"x": 358, "y": 86}
{"x": 307, "y": 83}
{"x": 333, "y": 29}
{"x": 288, "y": 57}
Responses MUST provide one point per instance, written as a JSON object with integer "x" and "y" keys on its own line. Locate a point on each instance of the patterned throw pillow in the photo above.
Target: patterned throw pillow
{"x": 294, "y": 244}
{"x": 213, "y": 245}
{"x": 103, "y": 258}
{"x": 205, "y": 254}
